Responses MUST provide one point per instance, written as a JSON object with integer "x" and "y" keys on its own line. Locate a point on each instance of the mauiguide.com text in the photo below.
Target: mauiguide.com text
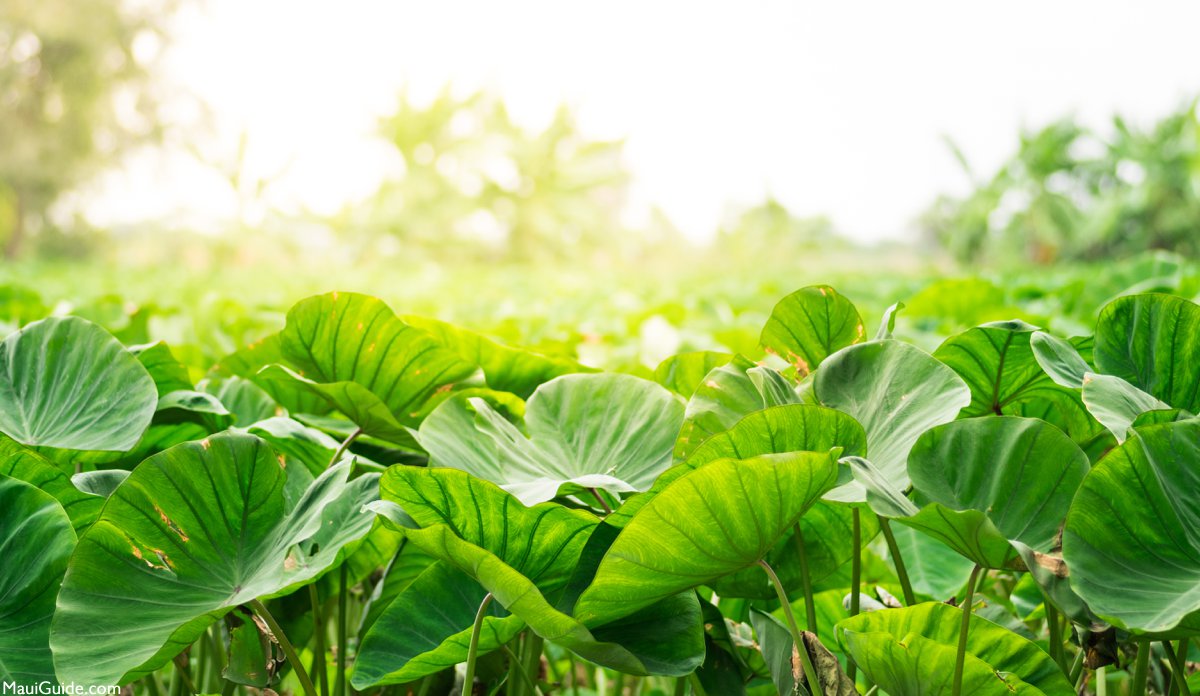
{"x": 48, "y": 688}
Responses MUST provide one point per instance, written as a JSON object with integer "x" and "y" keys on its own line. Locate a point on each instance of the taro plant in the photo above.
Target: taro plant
{"x": 382, "y": 504}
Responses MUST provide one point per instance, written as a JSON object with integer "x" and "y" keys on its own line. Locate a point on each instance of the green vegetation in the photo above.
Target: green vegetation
{"x": 355, "y": 500}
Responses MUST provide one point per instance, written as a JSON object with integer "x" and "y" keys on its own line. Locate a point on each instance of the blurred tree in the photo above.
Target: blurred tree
{"x": 474, "y": 179}
{"x": 770, "y": 230}
{"x": 74, "y": 95}
{"x": 1068, "y": 194}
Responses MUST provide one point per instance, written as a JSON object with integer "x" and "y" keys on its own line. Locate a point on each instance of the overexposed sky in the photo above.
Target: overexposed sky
{"x": 836, "y": 108}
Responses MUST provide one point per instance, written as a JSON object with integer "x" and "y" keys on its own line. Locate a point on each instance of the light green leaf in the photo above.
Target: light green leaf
{"x": 31, "y": 467}
{"x": 379, "y": 371}
{"x": 194, "y": 531}
{"x": 606, "y": 431}
{"x": 912, "y": 651}
{"x": 708, "y": 523}
{"x": 810, "y": 324}
{"x": 65, "y": 382}
{"x": 1117, "y": 403}
{"x": 684, "y": 373}
{"x": 896, "y": 392}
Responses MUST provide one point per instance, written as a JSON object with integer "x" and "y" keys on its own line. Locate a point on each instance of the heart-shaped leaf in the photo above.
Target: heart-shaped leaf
{"x": 1132, "y": 537}
{"x": 36, "y": 540}
{"x": 526, "y": 557}
{"x": 912, "y": 651}
{"x": 194, "y": 531}
{"x": 684, "y": 373}
{"x": 810, "y": 324}
{"x": 896, "y": 392}
{"x": 65, "y": 382}
{"x": 708, "y": 523}
{"x": 608, "y": 431}
{"x": 989, "y": 481}
{"x": 379, "y": 371}
{"x": 1153, "y": 342}
{"x": 997, "y": 362}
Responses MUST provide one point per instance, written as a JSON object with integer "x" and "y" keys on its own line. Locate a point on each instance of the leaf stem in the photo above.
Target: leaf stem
{"x": 337, "y": 454}
{"x": 798, "y": 645}
{"x": 514, "y": 659}
{"x": 318, "y": 663}
{"x": 1178, "y": 666}
{"x": 339, "y": 685}
{"x": 1141, "y": 668}
{"x": 964, "y": 628}
{"x": 1077, "y": 667}
{"x": 600, "y": 499}
{"x": 855, "y": 578}
{"x": 473, "y": 646}
{"x": 910, "y": 599}
{"x": 1056, "y": 647}
{"x": 288, "y": 651}
{"x": 810, "y": 604}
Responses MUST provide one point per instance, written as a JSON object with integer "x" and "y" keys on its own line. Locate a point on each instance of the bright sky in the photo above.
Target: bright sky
{"x": 834, "y": 107}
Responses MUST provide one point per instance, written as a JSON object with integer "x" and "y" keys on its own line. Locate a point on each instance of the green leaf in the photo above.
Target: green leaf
{"x": 896, "y": 392}
{"x": 608, "y": 431}
{"x": 245, "y": 400}
{"x": 998, "y": 363}
{"x": 100, "y": 483}
{"x": 1117, "y": 403}
{"x": 727, "y": 394}
{"x": 708, "y": 523}
{"x": 65, "y": 382}
{"x": 506, "y": 368}
{"x": 989, "y": 481}
{"x": 810, "y": 324}
{"x": 167, "y": 372}
{"x": 36, "y": 540}
{"x": 1132, "y": 537}
{"x": 194, "y": 531}
{"x": 912, "y": 651}
{"x": 33, "y": 468}
{"x": 427, "y": 628}
{"x": 525, "y": 558}
{"x": 1059, "y": 359}
{"x": 249, "y": 648}
{"x": 248, "y": 362}
{"x": 379, "y": 371}
{"x": 887, "y": 325}
{"x": 683, "y": 373}
{"x": 1153, "y": 342}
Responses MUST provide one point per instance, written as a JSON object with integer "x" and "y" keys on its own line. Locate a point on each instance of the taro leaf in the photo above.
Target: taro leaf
{"x": 246, "y": 363}
{"x": 352, "y": 350}
{"x": 998, "y": 363}
{"x": 194, "y": 531}
{"x": 1059, "y": 359}
{"x": 722, "y": 672}
{"x": 101, "y": 482}
{"x": 708, "y": 523}
{"x": 36, "y": 540}
{"x": 427, "y": 628}
{"x": 912, "y": 651}
{"x": 246, "y": 401}
{"x": 887, "y": 325}
{"x": 1117, "y": 403}
{"x": 294, "y": 440}
{"x": 1153, "y": 342}
{"x": 65, "y": 382}
{"x": 607, "y": 431}
{"x": 1132, "y": 537}
{"x": 1112, "y": 401}
{"x": 787, "y": 672}
{"x": 33, "y": 468}
{"x": 505, "y": 368}
{"x": 526, "y": 557}
{"x": 989, "y": 481}
{"x": 684, "y": 373}
{"x": 726, "y": 395}
{"x": 896, "y": 392}
{"x": 167, "y": 372}
{"x": 810, "y": 324}
{"x": 826, "y": 527}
